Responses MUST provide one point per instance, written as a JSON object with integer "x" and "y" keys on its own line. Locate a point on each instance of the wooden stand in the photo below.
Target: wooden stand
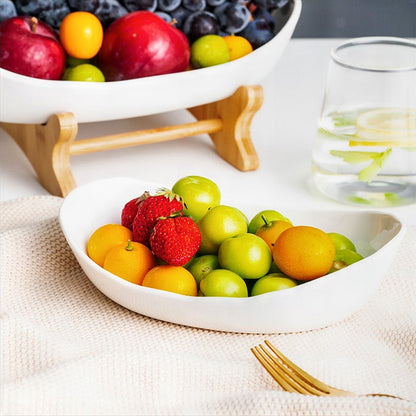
{"x": 49, "y": 146}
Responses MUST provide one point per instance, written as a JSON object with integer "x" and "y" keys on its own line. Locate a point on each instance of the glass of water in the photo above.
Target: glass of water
{"x": 365, "y": 148}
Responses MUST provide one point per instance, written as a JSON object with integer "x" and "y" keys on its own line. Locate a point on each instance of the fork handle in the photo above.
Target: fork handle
{"x": 384, "y": 395}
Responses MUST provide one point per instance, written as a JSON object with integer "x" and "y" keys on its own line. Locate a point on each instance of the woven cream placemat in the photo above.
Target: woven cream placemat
{"x": 66, "y": 349}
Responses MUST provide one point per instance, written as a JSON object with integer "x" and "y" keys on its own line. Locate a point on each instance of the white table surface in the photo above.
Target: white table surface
{"x": 282, "y": 133}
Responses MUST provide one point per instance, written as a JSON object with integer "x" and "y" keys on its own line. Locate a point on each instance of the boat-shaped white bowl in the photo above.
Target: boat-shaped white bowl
{"x": 30, "y": 100}
{"x": 311, "y": 305}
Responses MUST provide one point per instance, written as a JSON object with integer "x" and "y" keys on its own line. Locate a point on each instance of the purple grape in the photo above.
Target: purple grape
{"x": 199, "y": 24}
{"x": 219, "y": 10}
{"x": 108, "y": 11}
{"x": 7, "y": 10}
{"x": 257, "y": 32}
{"x": 263, "y": 14}
{"x": 233, "y": 17}
{"x": 163, "y": 15}
{"x": 271, "y": 4}
{"x": 85, "y": 6}
{"x": 134, "y": 5}
{"x": 194, "y": 5}
{"x": 51, "y": 12}
{"x": 215, "y": 3}
{"x": 179, "y": 15}
{"x": 31, "y": 8}
{"x": 168, "y": 5}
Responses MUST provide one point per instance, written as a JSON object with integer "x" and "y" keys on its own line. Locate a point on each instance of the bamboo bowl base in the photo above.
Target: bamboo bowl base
{"x": 49, "y": 146}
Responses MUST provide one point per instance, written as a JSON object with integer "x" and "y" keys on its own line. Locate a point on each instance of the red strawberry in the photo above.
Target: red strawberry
{"x": 150, "y": 210}
{"x": 130, "y": 210}
{"x": 175, "y": 240}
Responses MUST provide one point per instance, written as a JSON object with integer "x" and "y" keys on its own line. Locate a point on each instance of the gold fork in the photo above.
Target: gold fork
{"x": 292, "y": 378}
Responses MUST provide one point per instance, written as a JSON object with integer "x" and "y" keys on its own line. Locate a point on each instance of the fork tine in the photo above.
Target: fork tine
{"x": 302, "y": 386}
{"x": 286, "y": 384}
{"x": 293, "y": 379}
{"x": 318, "y": 386}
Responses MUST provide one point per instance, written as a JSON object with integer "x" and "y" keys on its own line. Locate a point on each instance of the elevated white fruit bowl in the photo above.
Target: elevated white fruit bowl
{"x": 311, "y": 305}
{"x": 29, "y": 100}
{"x": 43, "y": 116}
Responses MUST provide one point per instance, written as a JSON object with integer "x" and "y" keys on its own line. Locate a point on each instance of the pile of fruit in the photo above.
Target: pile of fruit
{"x": 110, "y": 40}
{"x": 185, "y": 241}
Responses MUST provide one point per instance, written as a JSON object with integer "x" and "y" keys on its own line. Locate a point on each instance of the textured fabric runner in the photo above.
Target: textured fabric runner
{"x": 66, "y": 349}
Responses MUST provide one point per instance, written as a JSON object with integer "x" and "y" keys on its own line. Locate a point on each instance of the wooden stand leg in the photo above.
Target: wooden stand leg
{"x": 49, "y": 146}
{"x": 233, "y": 142}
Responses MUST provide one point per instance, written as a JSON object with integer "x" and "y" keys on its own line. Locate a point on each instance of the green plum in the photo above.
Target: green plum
{"x": 272, "y": 282}
{"x": 201, "y": 266}
{"x": 341, "y": 242}
{"x": 199, "y": 195}
{"x": 344, "y": 258}
{"x": 221, "y": 282}
{"x": 218, "y": 224}
{"x": 246, "y": 254}
{"x": 85, "y": 73}
{"x": 270, "y": 214}
{"x": 209, "y": 50}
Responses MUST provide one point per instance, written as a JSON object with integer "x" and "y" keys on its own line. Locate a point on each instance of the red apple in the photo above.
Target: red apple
{"x": 30, "y": 47}
{"x": 141, "y": 44}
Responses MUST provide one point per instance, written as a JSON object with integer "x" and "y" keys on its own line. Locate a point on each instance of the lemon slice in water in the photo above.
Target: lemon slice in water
{"x": 386, "y": 127}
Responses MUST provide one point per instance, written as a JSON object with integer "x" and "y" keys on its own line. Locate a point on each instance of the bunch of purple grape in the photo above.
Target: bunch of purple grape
{"x": 52, "y": 12}
{"x": 256, "y": 20}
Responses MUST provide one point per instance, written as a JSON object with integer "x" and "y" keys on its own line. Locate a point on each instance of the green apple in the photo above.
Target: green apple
{"x": 218, "y": 224}
{"x": 199, "y": 195}
{"x": 271, "y": 215}
{"x": 272, "y": 282}
{"x": 246, "y": 254}
{"x": 222, "y": 282}
{"x": 201, "y": 266}
{"x": 341, "y": 242}
{"x": 344, "y": 258}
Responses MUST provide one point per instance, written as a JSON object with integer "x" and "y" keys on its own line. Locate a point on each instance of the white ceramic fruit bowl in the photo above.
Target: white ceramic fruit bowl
{"x": 312, "y": 305}
{"x": 30, "y": 100}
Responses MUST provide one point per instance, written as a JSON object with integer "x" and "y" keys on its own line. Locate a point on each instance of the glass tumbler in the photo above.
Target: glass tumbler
{"x": 365, "y": 148}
